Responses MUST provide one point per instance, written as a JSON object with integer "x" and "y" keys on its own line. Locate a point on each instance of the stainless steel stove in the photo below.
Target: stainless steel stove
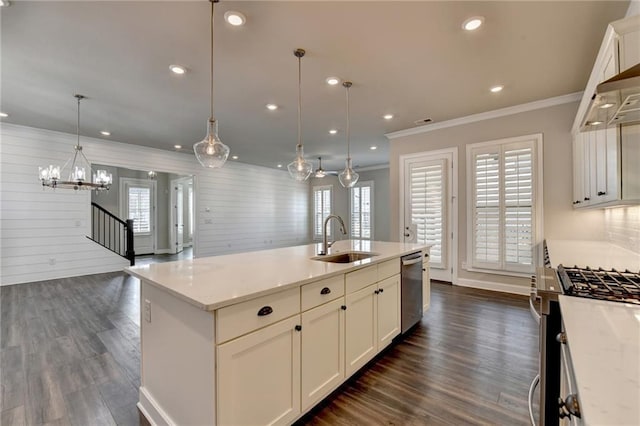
{"x": 547, "y": 284}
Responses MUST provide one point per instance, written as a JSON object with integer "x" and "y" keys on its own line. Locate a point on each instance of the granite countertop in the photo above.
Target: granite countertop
{"x": 604, "y": 342}
{"x": 596, "y": 254}
{"x": 213, "y": 282}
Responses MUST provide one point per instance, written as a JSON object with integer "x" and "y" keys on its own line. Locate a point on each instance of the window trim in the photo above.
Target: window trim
{"x": 537, "y": 205}
{"x": 313, "y": 196}
{"x": 123, "y": 201}
{"x": 370, "y": 184}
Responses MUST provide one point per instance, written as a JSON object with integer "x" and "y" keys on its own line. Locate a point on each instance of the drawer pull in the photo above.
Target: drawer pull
{"x": 298, "y": 327}
{"x": 325, "y": 290}
{"x": 343, "y": 307}
{"x": 601, "y": 193}
{"x": 265, "y": 310}
{"x": 381, "y": 290}
{"x": 376, "y": 291}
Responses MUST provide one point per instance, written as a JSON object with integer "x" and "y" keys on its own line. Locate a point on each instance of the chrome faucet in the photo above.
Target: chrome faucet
{"x": 325, "y": 243}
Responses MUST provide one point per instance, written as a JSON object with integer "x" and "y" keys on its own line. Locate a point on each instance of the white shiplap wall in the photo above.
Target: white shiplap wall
{"x": 42, "y": 233}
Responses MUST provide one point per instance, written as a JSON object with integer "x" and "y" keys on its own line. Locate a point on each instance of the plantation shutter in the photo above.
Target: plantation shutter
{"x": 361, "y": 211}
{"x": 321, "y": 209}
{"x": 140, "y": 209}
{"x": 486, "y": 215}
{"x": 428, "y": 207}
{"x": 518, "y": 205}
{"x": 503, "y": 207}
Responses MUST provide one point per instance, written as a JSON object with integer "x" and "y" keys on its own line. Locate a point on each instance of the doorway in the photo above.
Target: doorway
{"x": 428, "y": 204}
{"x": 181, "y": 214}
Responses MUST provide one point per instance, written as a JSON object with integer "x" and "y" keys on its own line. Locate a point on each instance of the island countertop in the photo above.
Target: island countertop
{"x": 213, "y": 282}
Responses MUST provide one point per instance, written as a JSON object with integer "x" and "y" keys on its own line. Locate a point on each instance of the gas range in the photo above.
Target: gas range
{"x": 601, "y": 284}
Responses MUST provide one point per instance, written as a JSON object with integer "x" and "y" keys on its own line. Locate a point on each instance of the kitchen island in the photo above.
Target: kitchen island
{"x": 262, "y": 337}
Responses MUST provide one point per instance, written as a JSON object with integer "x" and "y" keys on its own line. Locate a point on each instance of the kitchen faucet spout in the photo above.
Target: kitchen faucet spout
{"x": 325, "y": 242}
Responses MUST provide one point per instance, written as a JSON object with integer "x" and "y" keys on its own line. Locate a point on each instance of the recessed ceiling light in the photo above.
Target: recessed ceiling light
{"x": 177, "y": 69}
{"x": 373, "y": 148}
{"x": 235, "y": 157}
{"x": 387, "y": 116}
{"x": 105, "y": 133}
{"x": 496, "y": 89}
{"x": 177, "y": 146}
{"x": 272, "y": 107}
{"x": 4, "y": 114}
{"x": 473, "y": 23}
{"x": 332, "y": 81}
{"x": 5, "y": 3}
{"x": 235, "y": 18}
{"x": 605, "y": 106}
{"x": 279, "y": 166}
{"x": 333, "y": 131}
{"x": 594, "y": 123}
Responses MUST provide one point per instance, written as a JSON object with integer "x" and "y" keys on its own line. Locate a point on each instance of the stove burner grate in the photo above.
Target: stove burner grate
{"x": 613, "y": 285}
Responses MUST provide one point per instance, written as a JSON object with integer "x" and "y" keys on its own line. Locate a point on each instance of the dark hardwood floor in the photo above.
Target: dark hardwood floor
{"x": 69, "y": 354}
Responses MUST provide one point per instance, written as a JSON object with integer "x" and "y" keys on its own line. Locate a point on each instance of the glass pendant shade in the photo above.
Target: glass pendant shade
{"x": 348, "y": 177}
{"x": 210, "y": 151}
{"x": 300, "y": 169}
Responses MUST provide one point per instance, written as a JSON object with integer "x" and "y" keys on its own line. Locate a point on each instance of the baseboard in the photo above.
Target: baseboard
{"x": 163, "y": 251}
{"x": 488, "y": 285}
{"x": 152, "y": 411}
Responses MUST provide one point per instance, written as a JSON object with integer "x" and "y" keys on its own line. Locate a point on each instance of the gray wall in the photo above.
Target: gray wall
{"x": 340, "y": 205}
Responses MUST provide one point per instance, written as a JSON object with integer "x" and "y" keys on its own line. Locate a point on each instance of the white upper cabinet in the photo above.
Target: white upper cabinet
{"x": 605, "y": 171}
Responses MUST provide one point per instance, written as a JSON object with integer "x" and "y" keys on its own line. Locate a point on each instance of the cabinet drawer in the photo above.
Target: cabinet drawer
{"x": 236, "y": 320}
{"x": 315, "y": 294}
{"x": 361, "y": 278}
{"x": 388, "y": 269}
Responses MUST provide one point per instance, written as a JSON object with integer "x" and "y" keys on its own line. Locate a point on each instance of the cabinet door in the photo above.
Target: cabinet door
{"x": 578, "y": 170}
{"x": 360, "y": 328}
{"x": 259, "y": 376}
{"x": 426, "y": 288}
{"x": 322, "y": 351}
{"x": 388, "y": 310}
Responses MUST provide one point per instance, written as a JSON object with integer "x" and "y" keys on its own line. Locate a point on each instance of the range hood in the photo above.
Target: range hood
{"x": 616, "y": 101}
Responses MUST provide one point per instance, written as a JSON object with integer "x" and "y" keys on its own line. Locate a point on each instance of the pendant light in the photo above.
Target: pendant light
{"x": 76, "y": 174}
{"x": 348, "y": 177}
{"x": 299, "y": 169}
{"x": 320, "y": 173}
{"x": 210, "y": 151}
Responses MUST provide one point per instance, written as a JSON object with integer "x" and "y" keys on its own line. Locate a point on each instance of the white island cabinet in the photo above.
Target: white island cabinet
{"x": 260, "y": 338}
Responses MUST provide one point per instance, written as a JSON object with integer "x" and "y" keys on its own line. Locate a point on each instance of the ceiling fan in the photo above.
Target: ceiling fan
{"x": 320, "y": 172}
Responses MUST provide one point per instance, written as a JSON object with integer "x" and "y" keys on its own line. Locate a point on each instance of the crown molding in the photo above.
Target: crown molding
{"x": 488, "y": 115}
{"x": 374, "y": 167}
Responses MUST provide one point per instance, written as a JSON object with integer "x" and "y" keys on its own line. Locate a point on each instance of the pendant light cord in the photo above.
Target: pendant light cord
{"x": 213, "y": 2}
{"x": 299, "y": 100}
{"x": 347, "y": 85}
{"x": 78, "y": 122}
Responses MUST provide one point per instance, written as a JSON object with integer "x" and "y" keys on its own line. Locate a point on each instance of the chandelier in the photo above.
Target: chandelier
{"x": 75, "y": 175}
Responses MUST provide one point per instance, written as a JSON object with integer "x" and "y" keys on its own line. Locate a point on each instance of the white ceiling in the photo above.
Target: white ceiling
{"x": 411, "y": 59}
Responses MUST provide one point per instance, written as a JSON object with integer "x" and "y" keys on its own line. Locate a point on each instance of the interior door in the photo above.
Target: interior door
{"x": 428, "y": 212}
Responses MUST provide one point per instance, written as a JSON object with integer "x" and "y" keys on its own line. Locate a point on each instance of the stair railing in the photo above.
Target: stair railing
{"x": 112, "y": 233}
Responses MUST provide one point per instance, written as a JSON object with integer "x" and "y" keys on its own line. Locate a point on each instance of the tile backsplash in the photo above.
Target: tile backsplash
{"x": 622, "y": 227}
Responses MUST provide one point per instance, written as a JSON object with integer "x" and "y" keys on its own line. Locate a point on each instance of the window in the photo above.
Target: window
{"x": 140, "y": 208}
{"x": 321, "y": 209}
{"x": 506, "y": 204}
{"x": 362, "y": 211}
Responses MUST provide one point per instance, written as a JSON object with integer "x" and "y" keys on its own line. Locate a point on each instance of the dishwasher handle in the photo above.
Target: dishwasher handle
{"x": 411, "y": 261}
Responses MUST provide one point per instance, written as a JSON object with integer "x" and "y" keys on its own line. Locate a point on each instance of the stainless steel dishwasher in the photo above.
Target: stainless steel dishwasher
{"x": 411, "y": 289}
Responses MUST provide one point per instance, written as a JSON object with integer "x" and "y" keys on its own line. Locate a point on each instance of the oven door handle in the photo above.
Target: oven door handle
{"x": 532, "y": 389}
{"x": 534, "y": 311}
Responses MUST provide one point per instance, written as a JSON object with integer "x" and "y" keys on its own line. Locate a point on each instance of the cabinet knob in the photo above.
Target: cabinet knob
{"x": 577, "y": 202}
{"x": 325, "y": 290}
{"x": 381, "y": 290}
{"x": 424, "y": 270}
{"x": 587, "y": 198}
{"x": 561, "y": 338}
{"x": 298, "y": 327}
{"x": 265, "y": 310}
{"x": 407, "y": 234}
{"x": 376, "y": 292}
{"x": 601, "y": 193}
{"x": 343, "y": 307}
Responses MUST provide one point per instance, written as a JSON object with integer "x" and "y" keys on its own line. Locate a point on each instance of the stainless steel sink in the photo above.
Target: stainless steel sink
{"x": 345, "y": 257}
